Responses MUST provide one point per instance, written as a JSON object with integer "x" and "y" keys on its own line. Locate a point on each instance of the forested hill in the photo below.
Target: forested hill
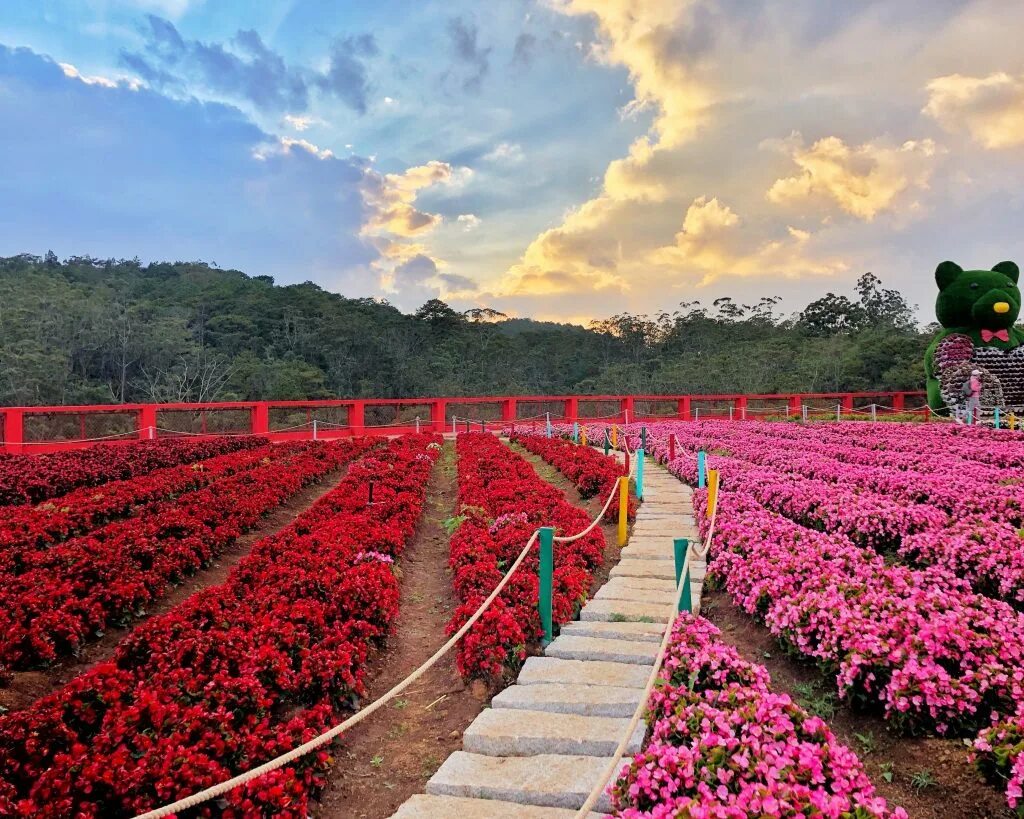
{"x": 104, "y": 331}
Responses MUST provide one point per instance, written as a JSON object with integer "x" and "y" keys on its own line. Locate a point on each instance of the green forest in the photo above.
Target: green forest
{"x": 87, "y": 330}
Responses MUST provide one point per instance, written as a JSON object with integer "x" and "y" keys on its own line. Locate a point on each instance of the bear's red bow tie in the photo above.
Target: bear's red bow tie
{"x": 1002, "y": 335}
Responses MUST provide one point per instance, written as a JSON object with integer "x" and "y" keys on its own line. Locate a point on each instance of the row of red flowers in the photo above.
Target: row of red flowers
{"x": 502, "y": 501}
{"x": 236, "y": 674}
{"x": 35, "y": 478}
{"x": 723, "y": 744}
{"x": 593, "y": 474}
{"x": 84, "y": 509}
{"x": 56, "y": 598}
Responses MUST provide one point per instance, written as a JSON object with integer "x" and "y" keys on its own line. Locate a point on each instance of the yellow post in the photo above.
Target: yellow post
{"x": 1013, "y": 421}
{"x": 615, "y": 437}
{"x": 583, "y": 437}
{"x": 712, "y": 491}
{"x": 623, "y": 508}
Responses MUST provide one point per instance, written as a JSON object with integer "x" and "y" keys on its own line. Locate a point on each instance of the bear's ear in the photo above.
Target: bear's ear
{"x": 946, "y": 273}
{"x": 1008, "y": 269}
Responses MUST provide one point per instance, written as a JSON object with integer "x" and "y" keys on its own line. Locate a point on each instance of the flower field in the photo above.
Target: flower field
{"x": 502, "y": 501}
{"x": 56, "y": 594}
{"x": 238, "y": 672}
{"x": 721, "y": 743}
{"x": 35, "y": 478}
{"x": 889, "y": 555}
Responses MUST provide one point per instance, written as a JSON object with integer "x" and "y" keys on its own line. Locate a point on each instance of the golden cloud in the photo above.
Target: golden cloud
{"x": 863, "y": 181}
{"x": 990, "y": 109}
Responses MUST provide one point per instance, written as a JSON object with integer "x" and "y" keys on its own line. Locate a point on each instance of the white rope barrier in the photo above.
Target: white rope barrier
{"x": 132, "y": 435}
{"x": 613, "y": 764}
{"x": 222, "y": 788}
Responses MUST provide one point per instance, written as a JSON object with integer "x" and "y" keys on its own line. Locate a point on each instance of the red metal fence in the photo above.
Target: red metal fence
{"x": 47, "y": 429}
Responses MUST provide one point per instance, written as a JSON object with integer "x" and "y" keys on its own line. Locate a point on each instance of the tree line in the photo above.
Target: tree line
{"x": 86, "y": 330}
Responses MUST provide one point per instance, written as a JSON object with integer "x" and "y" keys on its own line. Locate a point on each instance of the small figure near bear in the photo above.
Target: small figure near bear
{"x": 976, "y": 363}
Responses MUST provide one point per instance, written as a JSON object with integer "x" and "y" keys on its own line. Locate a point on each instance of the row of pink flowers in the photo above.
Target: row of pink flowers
{"x": 722, "y": 744}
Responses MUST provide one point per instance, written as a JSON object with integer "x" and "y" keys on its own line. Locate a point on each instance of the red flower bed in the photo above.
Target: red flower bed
{"x": 35, "y": 478}
{"x": 54, "y": 599}
{"x": 593, "y": 474}
{"x": 82, "y": 510}
{"x": 503, "y": 501}
{"x": 235, "y": 675}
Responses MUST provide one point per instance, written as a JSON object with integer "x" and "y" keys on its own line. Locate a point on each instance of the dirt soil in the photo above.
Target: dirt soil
{"x": 29, "y": 686}
{"x": 930, "y": 777}
{"x": 386, "y": 759}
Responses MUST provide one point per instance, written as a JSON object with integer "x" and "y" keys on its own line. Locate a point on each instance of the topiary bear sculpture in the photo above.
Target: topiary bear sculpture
{"x": 977, "y": 309}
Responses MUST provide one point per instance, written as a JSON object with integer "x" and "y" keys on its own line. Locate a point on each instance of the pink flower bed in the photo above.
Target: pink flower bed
{"x": 722, "y": 744}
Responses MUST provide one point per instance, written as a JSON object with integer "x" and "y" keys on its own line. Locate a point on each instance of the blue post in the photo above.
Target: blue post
{"x": 546, "y": 537}
{"x": 640, "y": 473}
{"x": 702, "y": 472}
{"x": 997, "y": 418}
{"x": 575, "y": 432}
{"x": 548, "y": 423}
{"x": 680, "y": 545}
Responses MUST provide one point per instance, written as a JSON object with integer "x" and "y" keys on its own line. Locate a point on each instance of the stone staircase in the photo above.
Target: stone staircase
{"x": 543, "y": 744}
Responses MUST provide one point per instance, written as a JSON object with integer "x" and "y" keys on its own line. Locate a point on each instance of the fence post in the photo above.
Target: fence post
{"x": 583, "y": 436}
{"x": 995, "y": 418}
{"x": 260, "y": 417}
{"x": 683, "y": 408}
{"x": 803, "y": 411}
{"x": 575, "y": 432}
{"x": 438, "y": 411}
{"x": 701, "y": 469}
{"x": 623, "y": 508}
{"x": 696, "y": 413}
{"x": 547, "y": 423}
{"x": 455, "y": 425}
{"x": 571, "y": 409}
{"x": 606, "y": 447}
{"x": 680, "y": 546}
{"x": 643, "y": 438}
{"x": 357, "y": 417}
{"x": 874, "y": 416}
{"x": 615, "y": 437}
{"x": 712, "y": 500}
{"x": 147, "y": 421}
{"x": 417, "y": 425}
{"x": 640, "y": 473}
{"x": 741, "y": 405}
{"x": 14, "y": 430}
{"x": 839, "y": 410}
{"x": 314, "y": 429}
{"x": 546, "y": 570}
{"x": 671, "y": 446}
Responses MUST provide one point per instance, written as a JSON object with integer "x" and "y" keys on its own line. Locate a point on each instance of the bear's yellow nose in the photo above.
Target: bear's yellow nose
{"x": 1001, "y": 307}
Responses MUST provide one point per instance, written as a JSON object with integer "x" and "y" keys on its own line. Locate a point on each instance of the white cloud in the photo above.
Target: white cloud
{"x": 284, "y": 145}
{"x": 990, "y": 108}
{"x": 97, "y": 79}
{"x": 469, "y": 221}
{"x": 507, "y": 152}
{"x": 302, "y": 123}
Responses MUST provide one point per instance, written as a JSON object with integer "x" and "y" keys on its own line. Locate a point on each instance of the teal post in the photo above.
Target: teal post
{"x": 702, "y": 472}
{"x": 547, "y": 536}
{"x": 640, "y": 473}
{"x": 607, "y": 442}
{"x": 575, "y": 432}
{"x": 996, "y": 419}
{"x": 680, "y": 545}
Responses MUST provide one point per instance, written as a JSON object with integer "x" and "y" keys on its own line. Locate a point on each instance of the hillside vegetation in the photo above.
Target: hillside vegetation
{"x": 92, "y": 330}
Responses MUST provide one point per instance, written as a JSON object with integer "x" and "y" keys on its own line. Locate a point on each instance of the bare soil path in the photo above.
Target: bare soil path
{"x": 929, "y": 776}
{"x": 386, "y": 759}
{"x": 28, "y": 686}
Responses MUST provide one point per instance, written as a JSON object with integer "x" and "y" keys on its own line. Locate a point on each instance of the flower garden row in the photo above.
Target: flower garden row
{"x": 54, "y": 598}
{"x": 593, "y": 474}
{"x": 236, "y": 674}
{"x": 920, "y": 643}
{"x": 722, "y": 744}
{"x": 502, "y": 501}
{"x": 35, "y": 478}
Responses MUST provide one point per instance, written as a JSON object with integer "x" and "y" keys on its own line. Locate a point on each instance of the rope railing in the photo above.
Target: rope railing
{"x": 620, "y": 751}
{"x": 131, "y": 435}
{"x": 221, "y": 788}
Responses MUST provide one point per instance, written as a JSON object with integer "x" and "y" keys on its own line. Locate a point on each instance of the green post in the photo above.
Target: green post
{"x": 702, "y": 471}
{"x": 546, "y": 538}
{"x": 996, "y": 419}
{"x": 640, "y": 473}
{"x": 680, "y": 545}
{"x": 607, "y": 442}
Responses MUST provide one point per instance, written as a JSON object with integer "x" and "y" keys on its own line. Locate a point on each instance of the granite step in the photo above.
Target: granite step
{"x": 635, "y": 652}
{"x": 510, "y": 732}
{"x": 567, "y": 698}
{"x": 540, "y": 670}
{"x": 424, "y": 806}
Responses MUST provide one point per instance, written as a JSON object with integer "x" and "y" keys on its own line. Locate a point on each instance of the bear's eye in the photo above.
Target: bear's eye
{"x": 974, "y": 285}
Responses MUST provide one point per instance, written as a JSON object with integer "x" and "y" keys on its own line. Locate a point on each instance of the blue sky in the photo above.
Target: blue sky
{"x": 565, "y": 159}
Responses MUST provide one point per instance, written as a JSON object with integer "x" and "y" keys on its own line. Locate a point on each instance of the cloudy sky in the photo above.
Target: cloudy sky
{"x": 564, "y": 159}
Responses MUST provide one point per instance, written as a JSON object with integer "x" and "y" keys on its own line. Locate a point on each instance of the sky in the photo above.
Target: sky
{"x": 560, "y": 159}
